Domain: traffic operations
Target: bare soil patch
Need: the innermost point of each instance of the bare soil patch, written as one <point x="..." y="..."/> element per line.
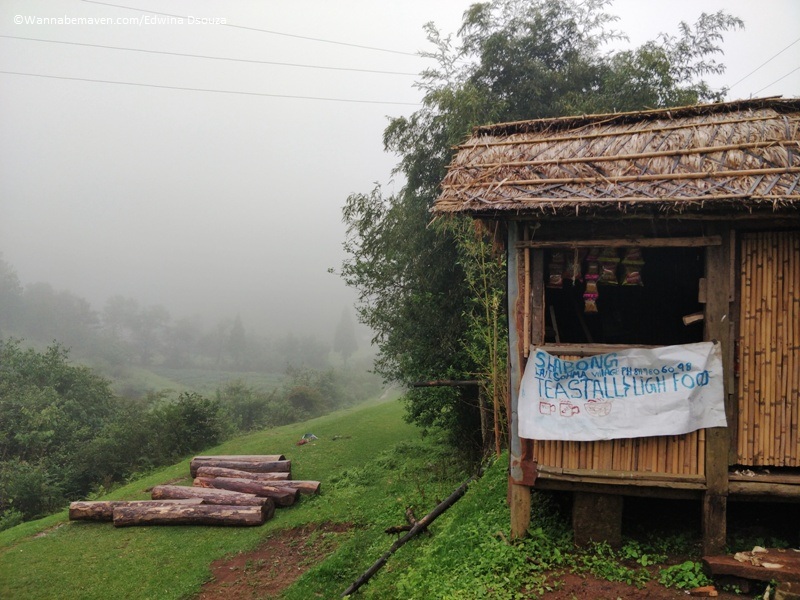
<point x="275" y="565"/>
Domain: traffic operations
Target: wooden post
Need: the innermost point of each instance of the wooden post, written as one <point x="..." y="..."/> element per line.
<point x="597" y="518"/>
<point x="717" y="327"/>
<point x="519" y="494"/>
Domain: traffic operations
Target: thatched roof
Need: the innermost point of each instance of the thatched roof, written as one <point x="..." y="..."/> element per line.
<point x="730" y="156"/>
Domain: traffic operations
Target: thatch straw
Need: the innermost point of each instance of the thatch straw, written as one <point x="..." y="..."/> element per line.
<point x="731" y="156"/>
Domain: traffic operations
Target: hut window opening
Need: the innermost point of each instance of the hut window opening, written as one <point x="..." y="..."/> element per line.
<point x="623" y="296"/>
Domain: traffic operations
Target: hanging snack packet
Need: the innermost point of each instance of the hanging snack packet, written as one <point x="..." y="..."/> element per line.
<point x="632" y="264"/>
<point x="609" y="260"/>
<point x="590" y="294"/>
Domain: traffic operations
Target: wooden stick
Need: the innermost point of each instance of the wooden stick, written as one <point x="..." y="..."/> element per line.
<point x="701" y="453"/>
<point x="685" y="151"/>
<point x="795" y="329"/>
<point x="598" y="133"/>
<point x="526" y="309"/>
<point x="418" y="527"/>
<point x="611" y="179"/>
<point x="743" y="350"/>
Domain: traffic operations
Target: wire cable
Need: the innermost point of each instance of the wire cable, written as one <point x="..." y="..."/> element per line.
<point x="193" y="89"/>
<point x="208" y="57"/>
<point x="764" y="63"/>
<point x="777" y="80"/>
<point x="291" y="35"/>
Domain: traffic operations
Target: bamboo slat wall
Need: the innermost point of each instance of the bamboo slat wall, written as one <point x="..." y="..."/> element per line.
<point x="673" y="454"/>
<point x="769" y="350"/>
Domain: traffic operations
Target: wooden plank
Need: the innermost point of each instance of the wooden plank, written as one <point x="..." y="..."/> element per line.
<point x="727" y="565"/>
<point x="621" y="475"/>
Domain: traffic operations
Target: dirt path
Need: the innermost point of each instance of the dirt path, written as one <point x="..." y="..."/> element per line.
<point x="275" y="565"/>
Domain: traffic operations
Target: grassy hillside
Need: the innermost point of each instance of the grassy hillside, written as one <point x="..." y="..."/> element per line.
<point x="55" y="558"/>
<point x="372" y="466"/>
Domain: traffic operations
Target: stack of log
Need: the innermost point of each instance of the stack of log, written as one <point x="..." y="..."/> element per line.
<point x="233" y="490"/>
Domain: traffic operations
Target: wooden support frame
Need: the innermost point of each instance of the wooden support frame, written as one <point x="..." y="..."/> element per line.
<point x="718" y="327"/>
<point x="639" y="242"/>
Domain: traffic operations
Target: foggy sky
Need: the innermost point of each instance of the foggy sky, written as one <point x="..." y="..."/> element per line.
<point x="220" y="204"/>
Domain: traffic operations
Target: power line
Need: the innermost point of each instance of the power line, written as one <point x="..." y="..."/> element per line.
<point x="193" y="89"/>
<point x="764" y="63"/>
<point x="777" y="80"/>
<point x="291" y="35"/>
<point x="208" y="57"/>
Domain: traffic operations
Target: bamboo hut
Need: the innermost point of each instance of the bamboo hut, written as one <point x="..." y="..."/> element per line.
<point x="706" y="198"/>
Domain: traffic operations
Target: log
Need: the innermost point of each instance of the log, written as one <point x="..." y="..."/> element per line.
<point x="418" y="527"/>
<point x="273" y="479"/>
<point x="243" y="457"/>
<point x="302" y="485"/>
<point x="177" y="514"/>
<point x="211" y="496"/>
<point x="251" y="466"/>
<point x="102" y="510"/>
<point x="223" y="472"/>
<point x="279" y="495"/>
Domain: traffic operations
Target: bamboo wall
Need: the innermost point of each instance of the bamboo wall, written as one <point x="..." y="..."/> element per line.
<point x="673" y="454"/>
<point x="769" y="350"/>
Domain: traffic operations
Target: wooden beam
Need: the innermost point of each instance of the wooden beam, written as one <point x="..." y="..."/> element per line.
<point x="623" y="178"/>
<point x="588" y="349"/>
<point x="676" y="242"/>
<point x="717" y="327"/>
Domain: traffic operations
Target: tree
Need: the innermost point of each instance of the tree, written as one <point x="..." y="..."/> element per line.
<point x="237" y="343"/>
<point x="515" y="60"/>
<point x="344" y="339"/>
<point x="10" y="297"/>
<point x="49" y="410"/>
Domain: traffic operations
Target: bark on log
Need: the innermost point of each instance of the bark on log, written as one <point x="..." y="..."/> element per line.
<point x="301" y="485"/>
<point x="272" y="479"/>
<point x="418" y="527"/>
<point x="102" y="510"/>
<point x="263" y="466"/>
<point x="243" y="457"/>
<point x="177" y="514"/>
<point x="212" y="496"/>
<point x="280" y="496"/>
<point x="204" y="471"/>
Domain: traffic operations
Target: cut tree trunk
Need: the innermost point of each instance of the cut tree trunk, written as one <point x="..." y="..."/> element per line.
<point x="280" y="496"/>
<point x="302" y="486"/>
<point x="177" y="514"/>
<point x="243" y="457"/>
<point x="102" y="510"/>
<point x="204" y="471"/>
<point x="211" y="496"/>
<point x="273" y="479"/>
<point x="263" y="466"/>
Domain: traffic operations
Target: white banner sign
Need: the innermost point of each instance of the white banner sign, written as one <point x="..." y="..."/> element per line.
<point x="631" y="393"/>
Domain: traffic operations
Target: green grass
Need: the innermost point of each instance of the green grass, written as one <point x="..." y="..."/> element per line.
<point x="372" y="466"/>
<point x="55" y="558"/>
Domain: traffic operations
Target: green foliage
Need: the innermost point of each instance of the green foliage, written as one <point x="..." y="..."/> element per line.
<point x="636" y="551"/>
<point x="603" y="562"/>
<point x="49" y="410"/>
<point x="344" y="338"/>
<point x="684" y="576"/>
<point x="64" y="435"/>
<point x="426" y="289"/>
